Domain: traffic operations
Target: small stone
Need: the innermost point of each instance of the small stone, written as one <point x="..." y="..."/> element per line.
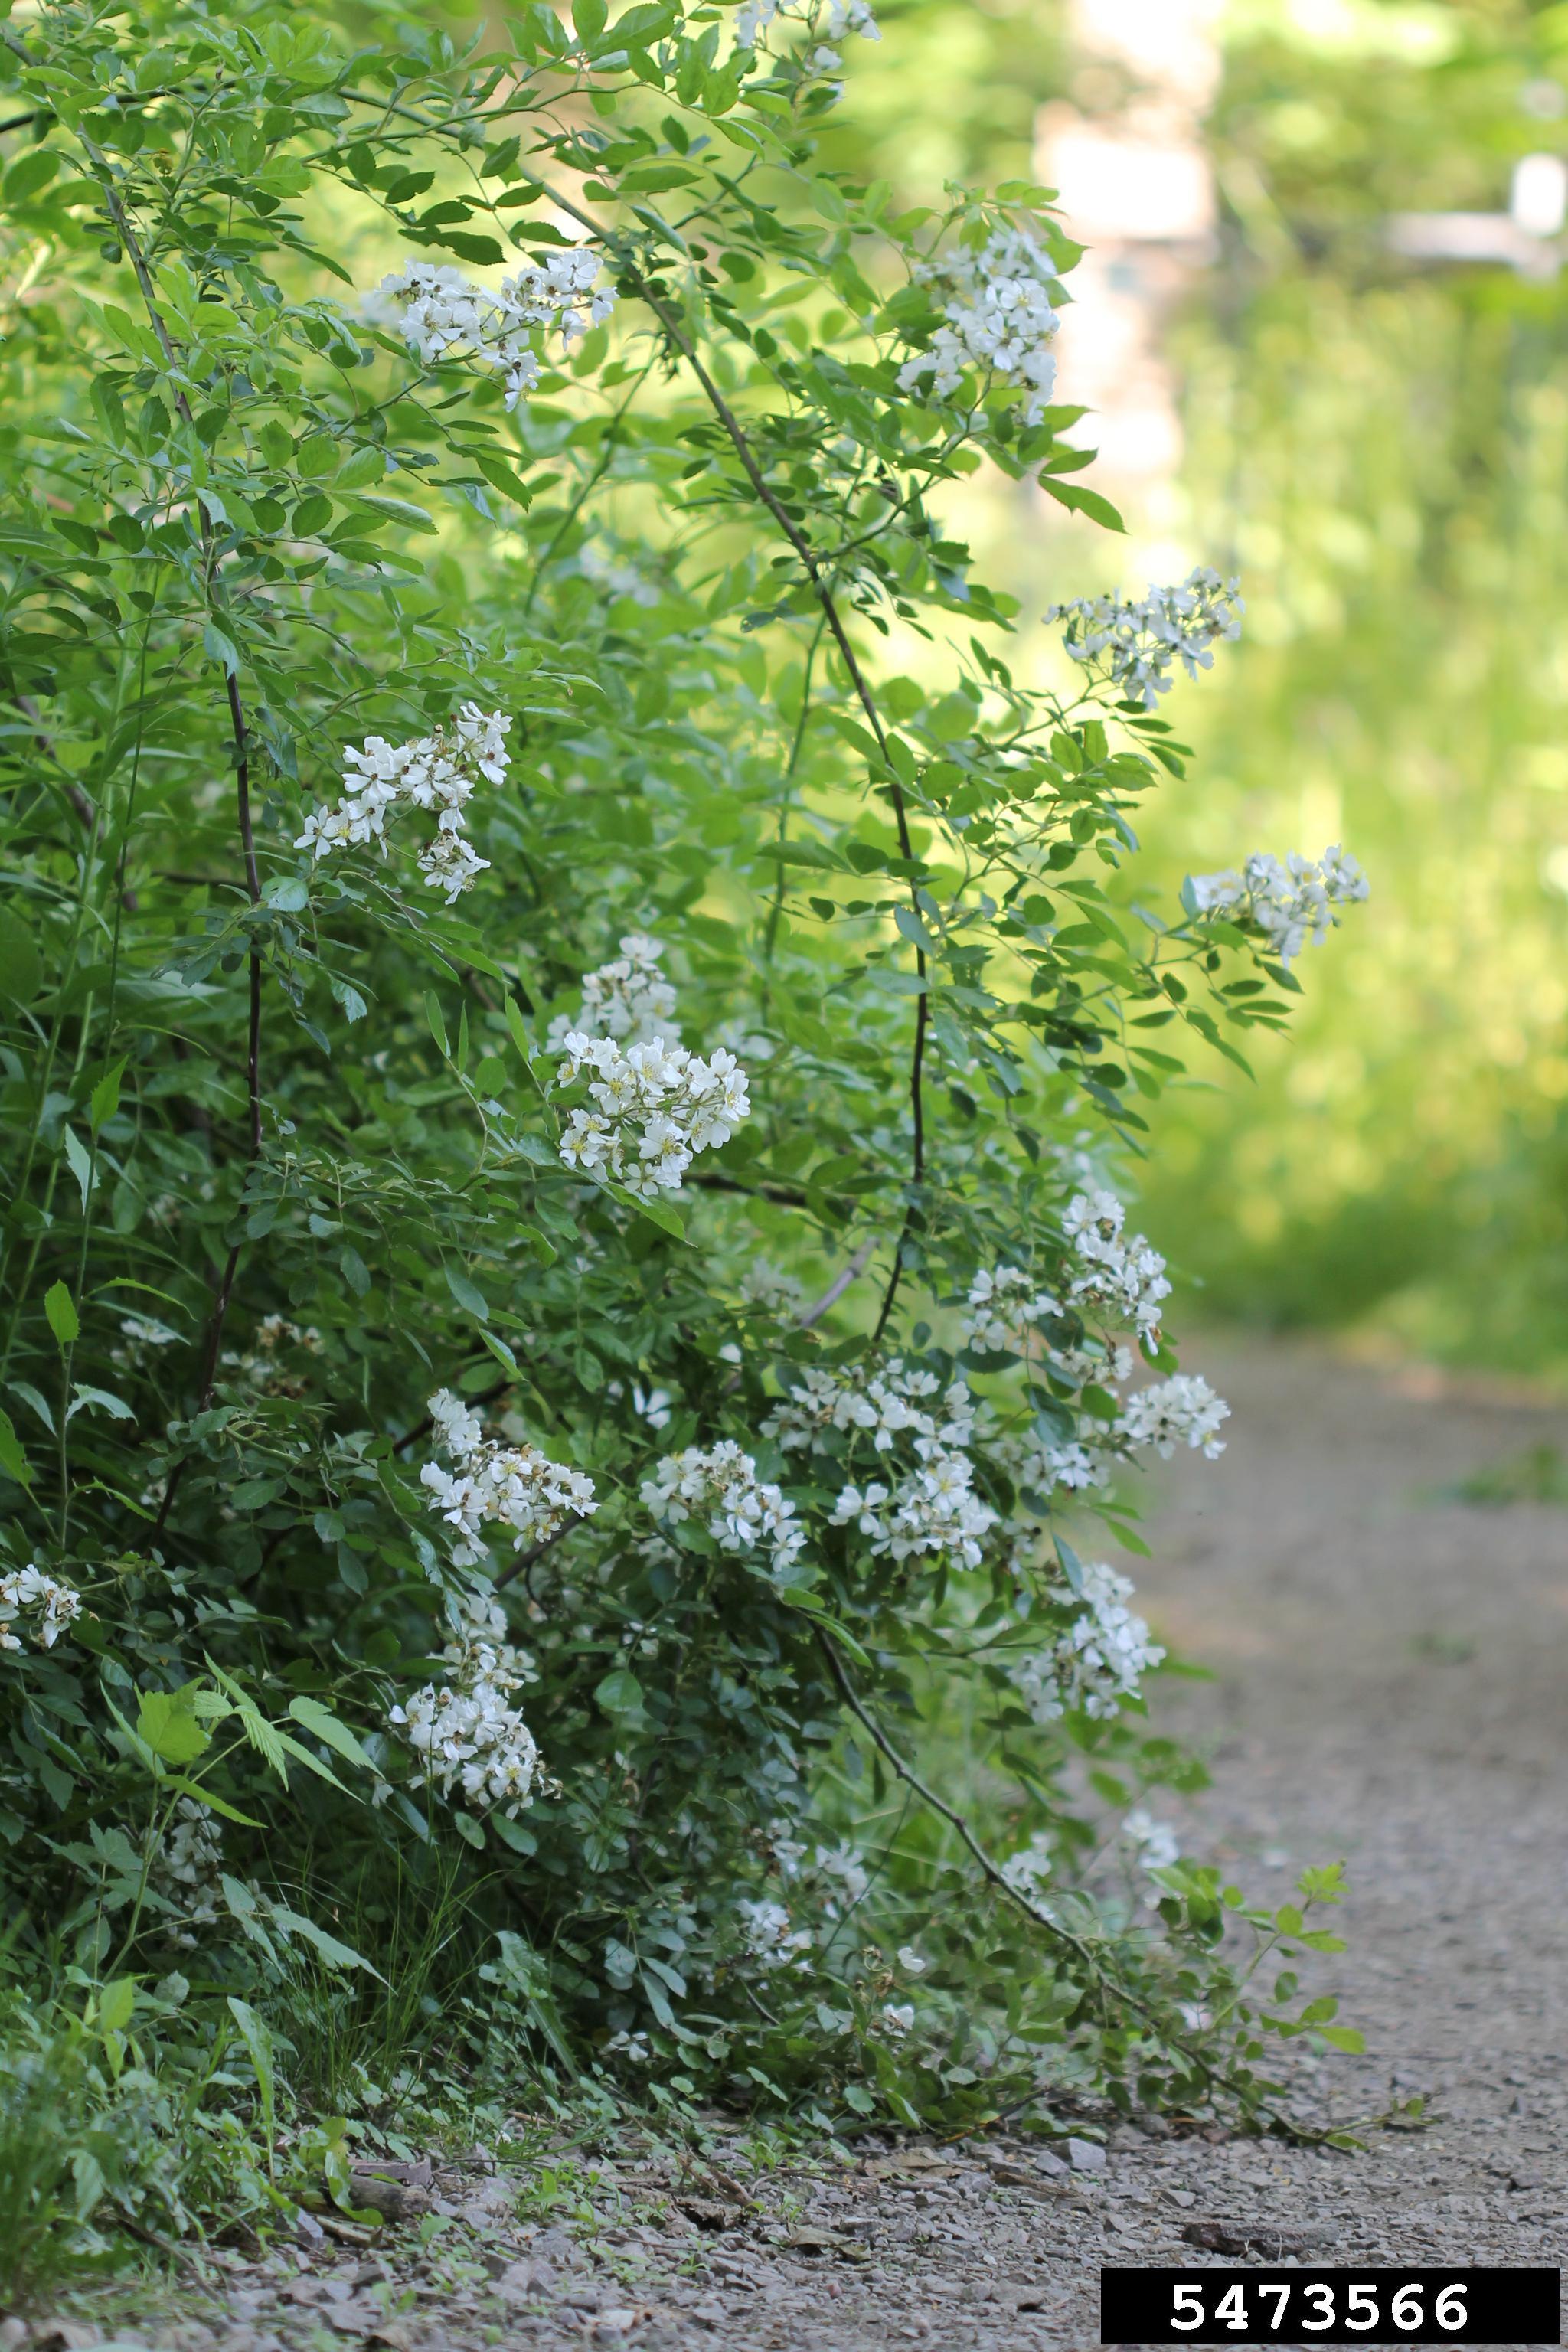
<point x="1086" y="2156"/>
<point x="708" y="2213"/>
<point x="521" y="2282"/>
<point x="555" y="2246"/>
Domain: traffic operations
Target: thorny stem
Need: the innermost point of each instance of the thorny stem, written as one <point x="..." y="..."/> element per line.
<point x="1105" y="1987"/>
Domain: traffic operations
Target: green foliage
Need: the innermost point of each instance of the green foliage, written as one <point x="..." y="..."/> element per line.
<point x="296" y="1151"/>
<point x="1386" y="442"/>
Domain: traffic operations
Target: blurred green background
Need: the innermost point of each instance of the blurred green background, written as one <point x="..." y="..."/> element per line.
<point x="1379" y="446"/>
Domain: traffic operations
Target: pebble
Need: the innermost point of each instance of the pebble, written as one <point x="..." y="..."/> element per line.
<point x="1086" y="2156"/>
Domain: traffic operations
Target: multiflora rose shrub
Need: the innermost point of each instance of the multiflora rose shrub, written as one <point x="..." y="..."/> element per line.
<point x="567" y="1315"/>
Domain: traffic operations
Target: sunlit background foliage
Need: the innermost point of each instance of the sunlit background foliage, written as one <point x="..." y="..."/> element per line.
<point x="1379" y="446"/>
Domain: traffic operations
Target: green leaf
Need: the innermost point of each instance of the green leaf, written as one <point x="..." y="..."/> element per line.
<point x="257" y="2044"/>
<point x="1081" y="501"/>
<point x="21" y="966"/>
<point x="30" y="174"/>
<point x="293" y="1924"/>
<point x="104" y="1100"/>
<point x="502" y="477"/>
<point x="468" y="1295"/>
<point x="662" y="1214"/>
<point x="803" y="853"/>
<point x="498" y="1349"/>
<point x="117" y="2005"/>
<point x="221" y="648"/>
<point x="620" y="1693"/>
<point x="166" y="1722"/>
<point x="60" y="1309"/>
<point x="80" y="1160"/>
<point x="320" y="1719"/>
<point x="13" y="1459"/>
<point x="203" y="1795"/>
<point x="92" y="1399"/>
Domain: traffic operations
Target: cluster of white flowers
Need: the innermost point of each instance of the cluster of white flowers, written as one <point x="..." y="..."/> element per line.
<point x="1154" y="1842"/>
<point x="933" y="1512"/>
<point x="187" y="1869"/>
<point x="480" y="1648"/>
<point x="438" y="772"/>
<point x="843" y="16"/>
<point x="49" y="1603"/>
<point x="786" y="1853"/>
<point x="762" y="1283"/>
<point x="629" y="999"/>
<point x="653" y="1107"/>
<point x="1291" y="902"/>
<point x="656" y="1406"/>
<point x="894" y="2019"/>
<point x="1137" y="644"/>
<point x="931" y="1508"/>
<point x="843" y="1865"/>
<point x="719" y="1486"/>
<point x="465" y="1732"/>
<point x="1118" y="1275"/>
<point x="911" y="1961"/>
<point x="1038" y="1465"/>
<point x="1000" y="319"/>
<point x="1180" y="1410"/>
<point x="1025" y="1869"/>
<point x="769" y="1936"/>
<point x="514" y="1486"/>
<point x="635" y="2048"/>
<point x="889" y="1405"/>
<point x="1091" y="1365"/>
<point x="441" y="313"/>
<point x="1001" y="1305"/>
<point x="617" y="577"/>
<point x="1098" y="1661"/>
<point x="142" y="1336"/>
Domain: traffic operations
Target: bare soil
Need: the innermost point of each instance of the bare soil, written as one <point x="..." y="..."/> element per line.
<point x="1389" y="1690"/>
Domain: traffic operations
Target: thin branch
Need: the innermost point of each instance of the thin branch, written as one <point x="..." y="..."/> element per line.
<point x="669" y="321"/>
<point x="839" y="1286"/>
<point x="1215" y="2078"/>
<point x="587" y="489"/>
<point x="786" y="1196"/>
<point x="802" y="546"/>
<point x="528" y="1560"/>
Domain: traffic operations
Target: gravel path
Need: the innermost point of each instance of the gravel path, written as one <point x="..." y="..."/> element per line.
<point x="1389" y="1690"/>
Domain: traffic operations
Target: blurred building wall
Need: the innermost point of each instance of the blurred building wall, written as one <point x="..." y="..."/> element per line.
<point x="1126" y="153"/>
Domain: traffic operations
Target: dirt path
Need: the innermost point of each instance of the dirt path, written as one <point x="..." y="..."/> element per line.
<point x="1390" y="1688"/>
